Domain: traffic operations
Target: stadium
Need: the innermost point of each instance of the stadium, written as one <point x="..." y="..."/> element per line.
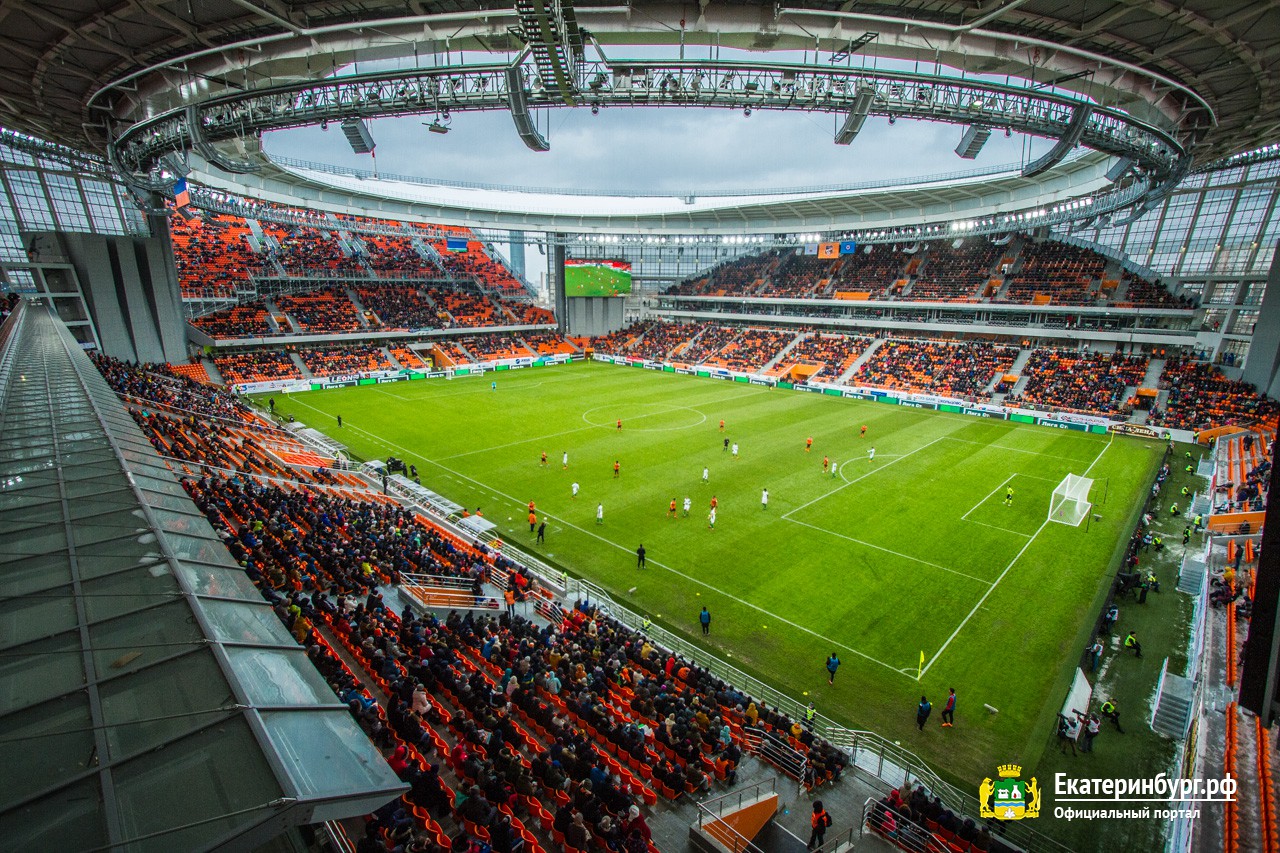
<point x="457" y="427"/>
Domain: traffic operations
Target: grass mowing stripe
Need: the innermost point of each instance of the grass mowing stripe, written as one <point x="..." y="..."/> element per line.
<point x="1012" y="562"/>
<point x="965" y="517"/>
<point x="624" y="548"/>
<point x="848" y="483"/>
<point x="896" y="553"/>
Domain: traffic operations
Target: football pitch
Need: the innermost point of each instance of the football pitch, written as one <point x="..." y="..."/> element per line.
<point x="913" y="552"/>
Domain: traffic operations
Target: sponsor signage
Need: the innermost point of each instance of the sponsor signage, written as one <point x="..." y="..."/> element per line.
<point x="1135" y="429"/>
<point x="1058" y="424"/>
<point x="985" y="413"/>
<point x="769" y="382"/>
<point x="811" y="388"/>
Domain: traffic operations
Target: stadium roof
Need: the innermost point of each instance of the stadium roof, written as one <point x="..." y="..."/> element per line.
<point x="150" y="698"/>
<point x="1209" y="66"/>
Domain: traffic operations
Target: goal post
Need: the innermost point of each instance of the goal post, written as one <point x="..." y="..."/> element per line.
<point x="1070" y="502"/>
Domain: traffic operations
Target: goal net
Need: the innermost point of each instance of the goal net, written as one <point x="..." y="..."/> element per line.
<point x="1070" y="502"/>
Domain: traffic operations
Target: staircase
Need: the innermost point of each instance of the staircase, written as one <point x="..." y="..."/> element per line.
<point x="301" y="365"/>
<point x="777" y="359"/>
<point x="1155" y="367"/>
<point x="1191" y="575"/>
<point x="355" y="300"/>
<point x="859" y="361"/>
<point x="212" y="369"/>
<point x="1172" y="716"/>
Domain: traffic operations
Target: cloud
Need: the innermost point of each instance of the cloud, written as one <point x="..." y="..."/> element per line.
<point x="678" y="151"/>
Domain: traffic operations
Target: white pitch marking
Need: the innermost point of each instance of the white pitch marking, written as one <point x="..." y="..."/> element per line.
<point x="651" y="562"/>
<point x="1012" y="562"/>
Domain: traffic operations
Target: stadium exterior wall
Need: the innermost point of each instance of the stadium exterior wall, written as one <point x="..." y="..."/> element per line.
<point x="594" y="316"/>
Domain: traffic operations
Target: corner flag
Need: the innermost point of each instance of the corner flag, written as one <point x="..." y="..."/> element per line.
<point x="920" y="670"/>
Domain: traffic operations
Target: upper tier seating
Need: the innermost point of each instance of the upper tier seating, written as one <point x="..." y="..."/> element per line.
<point x="242" y="321"/>
<point x="469" y="309"/>
<point x="263" y="366"/>
<point x="955" y="274"/>
<point x="396" y="254"/>
<point x="304" y="250"/>
<point x="871" y="269"/>
<point x="400" y="307"/>
<point x="1061" y="272"/>
<point x="325" y="310"/>
<point x="212" y="255"/>
<point x="345" y="361"/>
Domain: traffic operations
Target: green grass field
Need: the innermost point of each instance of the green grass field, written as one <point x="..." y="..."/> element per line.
<point x="911" y="552"/>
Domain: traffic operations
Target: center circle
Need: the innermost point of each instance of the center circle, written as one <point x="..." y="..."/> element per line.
<point x="644" y="417"/>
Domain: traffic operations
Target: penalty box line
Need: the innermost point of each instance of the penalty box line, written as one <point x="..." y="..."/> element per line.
<point x="662" y="566"/>
<point x="848" y="483"/>
<point x="1007" y="568"/>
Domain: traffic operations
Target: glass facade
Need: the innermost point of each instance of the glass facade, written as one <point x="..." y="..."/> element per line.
<point x="1224" y="222"/>
<point x="50" y="194"/>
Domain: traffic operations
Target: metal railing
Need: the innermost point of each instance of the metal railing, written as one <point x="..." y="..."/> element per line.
<point x="712" y="811"/>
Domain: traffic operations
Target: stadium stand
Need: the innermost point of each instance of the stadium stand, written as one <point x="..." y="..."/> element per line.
<point x="621" y="341"/>
<point x="400" y="307"/>
<point x="326" y="310"/>
<point x="467" y="309"/>
<point x="519" y="719"/>
<point x="547" y="343"/>
<point x="1086" y="382"/>
<point x="797" y="276"/>
<point x="708" y="341"/>
<point x="740" y="277"/>
<point x="242" y="321"/>
<point x="408" y="358"/>
<point x="1200" y="397"/>
<point x="751" y="350"/>
<point x="955" y="274"/>
<point x="158" y="384"/>
<point x="874" y="270"/>
<point x="212" y="255"/>
<point x="936" y="367"/>
<point x="490" y="347"/>
<point x="830" y="354"/>
<point x="1054" y="272"/>
<point x="262" y="366"/>
<point x="1044" y="271"/>
<point x="345" y="361"/>
<point x="388" y="254"/>
<point x="301" y="250"/>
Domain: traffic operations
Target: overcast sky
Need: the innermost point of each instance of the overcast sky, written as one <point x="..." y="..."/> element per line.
<point x="676" y="150"/>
